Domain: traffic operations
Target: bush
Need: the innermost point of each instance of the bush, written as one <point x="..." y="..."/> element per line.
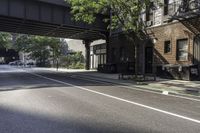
<point x="72" y="61"/>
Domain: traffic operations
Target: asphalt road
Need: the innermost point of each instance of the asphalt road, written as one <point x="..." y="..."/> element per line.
<point x="47" y="102"/>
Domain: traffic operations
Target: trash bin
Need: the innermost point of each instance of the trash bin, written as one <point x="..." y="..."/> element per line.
<point x="194" y="72"/>
<point x="180" y="72"/>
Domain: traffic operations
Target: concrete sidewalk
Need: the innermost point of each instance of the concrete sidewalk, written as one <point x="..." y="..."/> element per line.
<point x="165" y="86"/>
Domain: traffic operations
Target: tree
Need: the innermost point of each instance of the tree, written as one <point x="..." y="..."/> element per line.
<point x="125" y="15"/>
<point x="40" y="48"/>
<point x="5" y="40"/>
<point x="55" y="45"/>
<point x="74" y="60"/>
<point x="23" y="43"/>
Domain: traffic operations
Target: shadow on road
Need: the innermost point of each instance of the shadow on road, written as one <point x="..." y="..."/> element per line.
<point x="16" y="121"/>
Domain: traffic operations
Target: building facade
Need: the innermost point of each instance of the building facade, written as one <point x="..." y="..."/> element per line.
<point x="175" y="28"/>
<point x="98" y="50"/>
<point x="98" y="54"/>
<point x="173" y="40"/>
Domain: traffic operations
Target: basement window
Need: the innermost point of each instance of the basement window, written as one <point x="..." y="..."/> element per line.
<point x="167" y="47"/>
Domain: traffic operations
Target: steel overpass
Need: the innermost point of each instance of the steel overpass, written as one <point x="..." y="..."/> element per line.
<point x="48" y="18"/>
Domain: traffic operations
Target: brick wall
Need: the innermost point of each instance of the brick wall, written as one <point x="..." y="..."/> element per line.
<point x="168" y="32"/>
<point x="172" y="32"/>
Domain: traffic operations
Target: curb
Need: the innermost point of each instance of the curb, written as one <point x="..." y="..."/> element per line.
<point x="95" y="78"/>
<point x="137" y="87"/>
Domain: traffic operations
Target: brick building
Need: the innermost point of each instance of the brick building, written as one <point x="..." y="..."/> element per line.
<point x="174" y="44"/>
<point x="173" y="30"/>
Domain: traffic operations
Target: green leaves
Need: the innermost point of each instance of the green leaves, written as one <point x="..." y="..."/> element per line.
<point x="40" y="48"/>
<point x="5" y="40"/>
<point x="86" y="10"/>
<point x="125" y="13"/>
<point x="73" y="61"/>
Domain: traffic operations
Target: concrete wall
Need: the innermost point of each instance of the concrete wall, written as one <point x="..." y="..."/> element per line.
<point x="76" y="46"/>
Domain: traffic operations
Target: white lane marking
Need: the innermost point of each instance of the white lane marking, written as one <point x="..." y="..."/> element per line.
<point x="120" y="99"/>
<point x="165" y="93"/>
<point x="141" y="89"/>
<point x="144" y="90"/>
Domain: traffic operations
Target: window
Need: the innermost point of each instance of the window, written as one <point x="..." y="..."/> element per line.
<point x="182" y="50"/>
<point x="167" y="47"/>
<point x="91" y="48"/>
<point x="99" y="59"/>
<point x="166" y="3"/>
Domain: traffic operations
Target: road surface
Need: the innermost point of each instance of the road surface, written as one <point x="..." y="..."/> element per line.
<point x="49" y="102"/>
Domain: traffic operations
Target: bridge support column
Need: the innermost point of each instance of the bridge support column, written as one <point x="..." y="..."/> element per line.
<point x="87" y="54"/>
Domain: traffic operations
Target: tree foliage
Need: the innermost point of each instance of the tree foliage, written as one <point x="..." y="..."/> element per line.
<point x="73" y="61"/>
<point x="40" y="48"/>
<point x="122" y="14"/>
<point x="5" y="40"/>
<point x="22" y="43"/>
<point x="126" y="14"/>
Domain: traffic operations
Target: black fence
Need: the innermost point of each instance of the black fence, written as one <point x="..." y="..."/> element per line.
<point x="124" y="67"/>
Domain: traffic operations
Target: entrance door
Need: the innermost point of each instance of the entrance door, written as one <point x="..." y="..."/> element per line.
<point x="148" y="59"/>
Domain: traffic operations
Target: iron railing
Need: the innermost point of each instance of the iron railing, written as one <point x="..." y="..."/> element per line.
<point x="182" y="7"/>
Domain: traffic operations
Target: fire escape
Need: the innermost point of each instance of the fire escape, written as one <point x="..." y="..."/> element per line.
<point x="188" y="13"/>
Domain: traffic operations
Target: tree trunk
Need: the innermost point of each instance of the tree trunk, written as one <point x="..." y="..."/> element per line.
<point x="54" y="65"/>
<point x="57" y="64"/>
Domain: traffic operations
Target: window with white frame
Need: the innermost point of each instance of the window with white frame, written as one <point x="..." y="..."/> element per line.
<point x="182" y="50"/>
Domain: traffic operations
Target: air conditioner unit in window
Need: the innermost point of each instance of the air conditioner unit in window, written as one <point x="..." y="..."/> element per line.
<point x="149" y="23"/>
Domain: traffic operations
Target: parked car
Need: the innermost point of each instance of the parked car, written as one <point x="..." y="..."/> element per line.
<point x="12" y="63"/>
<point x="30" y="64"/>
<point x="16" y="63"/>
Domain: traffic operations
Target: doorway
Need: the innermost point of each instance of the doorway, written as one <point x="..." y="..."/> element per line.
<point x="148" y="59"/>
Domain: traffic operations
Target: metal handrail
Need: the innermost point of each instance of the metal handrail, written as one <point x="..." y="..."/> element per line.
<point x="174" y="7"/>
<point x="185" y="6"/>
